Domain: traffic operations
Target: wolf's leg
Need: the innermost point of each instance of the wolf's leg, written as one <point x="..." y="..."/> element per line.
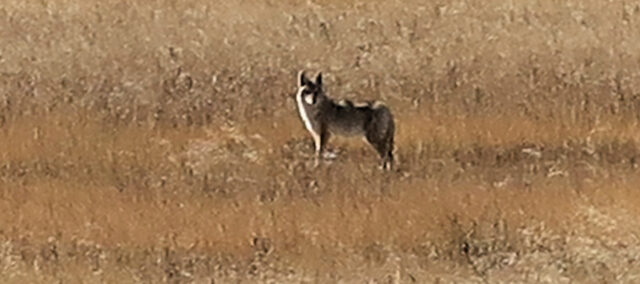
<point x="377" y="144"/>
<point x="317" y="140"/>
<point x="321" y="143"/>
<point x="388" y="160"/>
<point x="385" y="155"/>
<point x="384" y="147"/>
<point x="324" y="138"/>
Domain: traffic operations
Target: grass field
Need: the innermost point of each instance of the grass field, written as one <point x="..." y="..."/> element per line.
<point x="158" y="142"/>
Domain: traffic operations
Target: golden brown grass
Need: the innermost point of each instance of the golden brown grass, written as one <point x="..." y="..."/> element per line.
<point x="159" y="142"/>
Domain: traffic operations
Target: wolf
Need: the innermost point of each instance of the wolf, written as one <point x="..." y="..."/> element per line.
<point x="323" y="117"/>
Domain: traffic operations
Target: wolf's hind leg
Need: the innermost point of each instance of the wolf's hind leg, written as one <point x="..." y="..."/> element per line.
<point x="384" y="147"/>
<point x="386" y="154"/>
<point x="388" y="159"/>
<point x="378" y="145"/>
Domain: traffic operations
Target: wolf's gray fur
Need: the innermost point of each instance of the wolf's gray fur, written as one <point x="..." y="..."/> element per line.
<point x="323" y="117"/>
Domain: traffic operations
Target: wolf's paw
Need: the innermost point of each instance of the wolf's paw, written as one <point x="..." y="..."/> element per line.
<point x="329" y="155"/>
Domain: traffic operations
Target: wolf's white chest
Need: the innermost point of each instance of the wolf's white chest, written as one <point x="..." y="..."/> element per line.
<point x="303" y="112"/>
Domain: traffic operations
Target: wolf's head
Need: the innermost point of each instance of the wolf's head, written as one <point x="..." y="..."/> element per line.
<point x="311" y="92"/>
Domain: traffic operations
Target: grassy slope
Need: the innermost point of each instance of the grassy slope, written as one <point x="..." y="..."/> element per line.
<point x="159" y="141"/>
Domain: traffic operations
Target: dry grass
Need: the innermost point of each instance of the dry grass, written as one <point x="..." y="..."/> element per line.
<point x="159" y="142"/>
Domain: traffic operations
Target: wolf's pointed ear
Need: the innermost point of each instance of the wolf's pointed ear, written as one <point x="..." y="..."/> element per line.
<point x="319" y="79"/>
<point x="302" y="79"/>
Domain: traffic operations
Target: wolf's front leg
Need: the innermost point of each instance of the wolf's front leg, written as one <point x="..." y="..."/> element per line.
<point x="317" y="140"/>
<point x="321" y="143"/>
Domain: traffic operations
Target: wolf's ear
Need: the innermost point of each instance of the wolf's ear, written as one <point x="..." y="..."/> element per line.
<point x="319" y="79"/>
<point x="302" y="79"/>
